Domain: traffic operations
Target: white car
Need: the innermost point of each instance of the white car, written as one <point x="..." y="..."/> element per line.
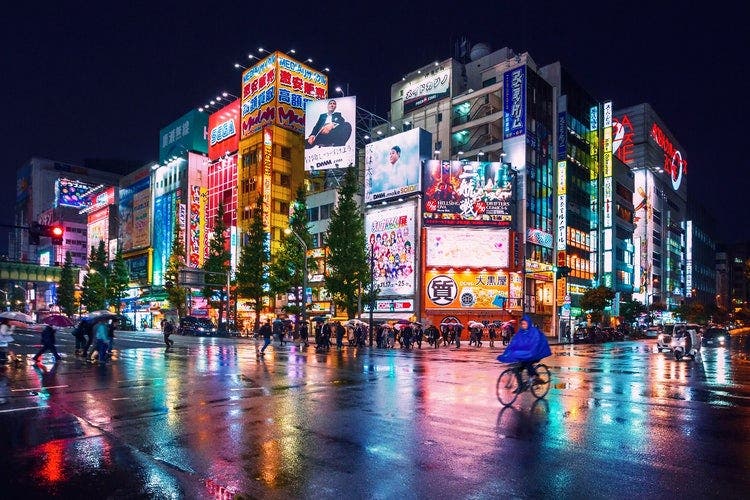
<point x="652" y="332"/>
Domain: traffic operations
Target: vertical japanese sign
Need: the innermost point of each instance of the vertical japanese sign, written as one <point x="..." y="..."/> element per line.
<point x="562" y="205"/>
<point x="267" y="173"/>
<point x="608" y="192"/>
<point x="514" y="102"/>
<point x="195" y="227"/>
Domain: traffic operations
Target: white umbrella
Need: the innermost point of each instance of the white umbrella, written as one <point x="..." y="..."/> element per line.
<point x="476" y="324"/>
<point x="17" y="316"/>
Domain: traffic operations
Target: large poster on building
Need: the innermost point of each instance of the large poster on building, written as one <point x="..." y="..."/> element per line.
<point x="391" y="235"/>
<point x="196" y="226"/>
<point x="468" y="289"/>
<point x="224" y="131"/>
<point x="467" y="248"/>
<point x="467" y="193"/>
<point x="165" y="214"/>
<point x="134" y="210"/>
<point x="393" y="165"/>
<point x="97" y="229"/>
<point x="329" y="133"/>
<point x="644" y="198"/>
<point x="258" y="96"/>
<point x="426" y="89"/>
<point x="71" y="193"/>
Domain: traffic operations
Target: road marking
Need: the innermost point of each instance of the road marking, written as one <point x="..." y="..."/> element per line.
<point x="22" y="409"/>
<point x="39" y="388"/>
<point x="118" y="399"/>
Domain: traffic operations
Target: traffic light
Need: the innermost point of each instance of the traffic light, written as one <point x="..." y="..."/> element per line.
<point x="56" y="232"/>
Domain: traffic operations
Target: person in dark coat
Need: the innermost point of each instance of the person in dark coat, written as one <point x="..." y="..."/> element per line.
<point x="340" y="331"/>
<point x="492" y="333"/>
<point x="527" y="347"/>
<point x="48" y="344"/>
<point x="458" y="328"/>
<point x="88" y="331"/>
<point x="303" y="334"/>
<point x="418" y="333"/>
<point x="266" y="331"/>
<point x="278" y="330"/>
<point x="79" y="333"/>
<point x="167" y="329"/>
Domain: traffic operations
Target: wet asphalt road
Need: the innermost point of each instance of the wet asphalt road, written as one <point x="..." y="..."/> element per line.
<point x="209" y="419"/>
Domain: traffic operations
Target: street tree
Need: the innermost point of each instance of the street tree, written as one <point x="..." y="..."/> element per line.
<point x="252" y="266"/>
<point x="595" y="300"/>
<point x="288" y="262"/>
<point x="630" y="309"/>
<point x="66" y="290"/>
<point x="176" y="293"/>
<point x="119" y="280"/>
<point x="217" y="263"/>
<point x="347" y="264"/>
<point x="93" y="288"/>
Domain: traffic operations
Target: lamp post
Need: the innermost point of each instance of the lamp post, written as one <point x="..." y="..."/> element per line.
<point x="289" y="230"/>
<point x="7" y="302"/>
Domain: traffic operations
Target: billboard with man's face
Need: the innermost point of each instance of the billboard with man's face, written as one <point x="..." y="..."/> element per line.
<point x="393" y="165"/>
<point x="467" y="193"/>
<point x="329" y="133"/>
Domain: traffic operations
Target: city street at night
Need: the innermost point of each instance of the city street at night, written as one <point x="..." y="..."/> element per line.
<point x="209" y="418"/>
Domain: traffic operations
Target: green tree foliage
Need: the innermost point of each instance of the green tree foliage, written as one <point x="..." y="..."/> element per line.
<point x="630" y="309"/>
<point x="119" y="280"/>
<point x="694" y="312"/>
<point x="252" y="266"/>
<point x="287" y="265"/>
<point x="175" y="293"/>
<point x="217" y="263"/>
<point x="66" y="289"/>
<point x="93" y="289"/>
<point x="595" y="300"/>
<point x="348" y="266"/>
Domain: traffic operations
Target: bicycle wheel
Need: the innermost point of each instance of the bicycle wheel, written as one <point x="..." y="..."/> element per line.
<point x="540" y="387"/>
<point x="507" y="387"/>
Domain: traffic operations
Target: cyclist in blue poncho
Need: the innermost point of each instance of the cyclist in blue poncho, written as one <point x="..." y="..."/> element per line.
<point x="527" y="347"/>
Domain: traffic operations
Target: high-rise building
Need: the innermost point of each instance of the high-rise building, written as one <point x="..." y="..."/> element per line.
<point x="700" y="255"/>
<point x="642" y="141"/>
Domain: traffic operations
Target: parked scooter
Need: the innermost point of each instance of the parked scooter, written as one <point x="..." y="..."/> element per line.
<point x="686" y="341"/>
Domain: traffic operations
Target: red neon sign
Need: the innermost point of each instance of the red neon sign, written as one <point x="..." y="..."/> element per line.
<point x="622" y="139"/>
<point x="674" y="164"/>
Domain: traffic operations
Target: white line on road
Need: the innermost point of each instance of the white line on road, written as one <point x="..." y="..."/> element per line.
<point x="39" y="388"/>
<point x="22" y="409"/>
<point x="118" y="399"/>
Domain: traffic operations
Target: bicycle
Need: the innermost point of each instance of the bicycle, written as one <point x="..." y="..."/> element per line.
<point x="514" y="380"/>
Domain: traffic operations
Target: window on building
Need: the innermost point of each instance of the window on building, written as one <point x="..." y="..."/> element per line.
<point x="325" y="211"/>
<point x="285" y="153"/>
<point x="282" y="207"/>
<point x="315" y="240"/>
<point x="285" y="180"/>
<point x="313" y="214"/>
<point x="245" y="186"/>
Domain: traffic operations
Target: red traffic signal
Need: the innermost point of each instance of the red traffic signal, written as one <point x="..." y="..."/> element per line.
<point x="57" y="231"/>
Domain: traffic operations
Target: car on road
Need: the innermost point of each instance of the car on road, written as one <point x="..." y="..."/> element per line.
<point x="652" y="332"/>
<point x="191" y="325"/>
<point x="716" y="337"/>
<point x="227" y="330"/>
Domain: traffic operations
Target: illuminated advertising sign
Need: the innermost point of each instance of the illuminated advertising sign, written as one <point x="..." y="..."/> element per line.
<point x="562" y="205"/>
<point x="467" y="289"/>
<point x="196" y="226"/>
<point x="607" y="202"/>
<point x="464" y="247"/>
<point x="391" y="235"/>
<point x="393" y="165"/>
<point x="187" y="133"/>
<point x="329" y="133"/>
<point x="165" y="213"/>
<point x="514" y="102"/>
<point x="622" y="139"/>
<point x="276" y="91"/>
<point x="396" y="305"/>
<point x="100" y="199"/>
<point x="674" y="164"/>
<point x="224" y="131"/>
<point x="258" y="96"/>
<point x="539" y="237"/>
<point x="643" y="199"/>
<point x="70" y="193"/>
<point x="689" y="259"/>
<point x="138" y="269"/>
<point x="298" y="85"/>
<point x="467" y="193"/>
<point x="267" y="161"/>
<point x="427" y="89"/>
<point x="134" y="208"/>
<point x="97" y="229"/>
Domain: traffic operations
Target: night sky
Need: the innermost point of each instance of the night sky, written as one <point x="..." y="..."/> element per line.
<point x="83" y="83"/>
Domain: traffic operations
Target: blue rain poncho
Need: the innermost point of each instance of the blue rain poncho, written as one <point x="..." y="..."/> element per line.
<point x="527" y="345"/>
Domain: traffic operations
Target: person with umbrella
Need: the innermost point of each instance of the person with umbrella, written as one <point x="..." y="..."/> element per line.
<point x="48" y="344"/>
<point x="6" y="337"/>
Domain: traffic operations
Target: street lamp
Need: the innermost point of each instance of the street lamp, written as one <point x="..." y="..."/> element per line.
<point x="7" y="302"/>
<point x="287" y="231"/>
